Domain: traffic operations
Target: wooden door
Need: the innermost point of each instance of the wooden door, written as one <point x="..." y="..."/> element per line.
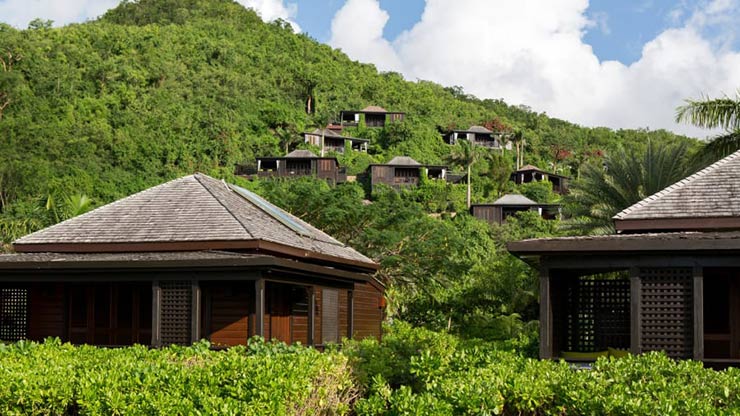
<point x="278" y="309"/>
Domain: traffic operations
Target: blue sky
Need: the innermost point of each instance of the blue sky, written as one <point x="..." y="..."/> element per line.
<point x="614" y="63"/>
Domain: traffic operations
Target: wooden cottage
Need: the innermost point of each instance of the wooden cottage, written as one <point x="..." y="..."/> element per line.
<point x="403" y="171"/>
<point x="331" y="141"/>
<point x="511" y="204"/>
<point x="477" y="135"/>
<point x="669" y="280"/>
<point x="298" y="163"/>
<point x="529" y="173"/>
<point x="371" y="116"/>
<point x="189" y="259"/>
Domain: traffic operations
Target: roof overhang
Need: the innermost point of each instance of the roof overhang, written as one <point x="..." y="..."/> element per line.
<point x="192" y="261"/>
<point x="252" y="246"/>
<point x="628" y="243"/>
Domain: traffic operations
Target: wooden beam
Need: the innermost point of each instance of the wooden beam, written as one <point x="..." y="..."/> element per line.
<point x="259" y="307"/>
<point x="156" y="314"/>
<point x="546" y="350"/>
<point x="635" y="317"/>
<point x="195" y="312"/>
<point x="311" y="315"/>
<point x="351" y="314"/>
<point x="698" y="313"/>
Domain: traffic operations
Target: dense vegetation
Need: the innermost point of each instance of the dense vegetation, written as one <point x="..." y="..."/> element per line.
<point x="413" y="371"/>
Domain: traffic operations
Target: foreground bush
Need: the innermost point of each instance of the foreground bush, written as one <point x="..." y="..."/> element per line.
<point x="413" y="371"/>
<point x="264" y="378"/>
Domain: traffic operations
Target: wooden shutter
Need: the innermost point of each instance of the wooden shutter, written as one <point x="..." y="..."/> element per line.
<point x="329" y="315"/>
<point x="13" y="314"/>
<point x="666" y="311"/>
<point x="176" y="310"/>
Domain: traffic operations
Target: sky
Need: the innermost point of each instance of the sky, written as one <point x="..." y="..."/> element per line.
<point x="619" y="64"/>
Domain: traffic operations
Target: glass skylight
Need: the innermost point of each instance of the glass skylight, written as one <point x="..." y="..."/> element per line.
<point x="272" y="210"/>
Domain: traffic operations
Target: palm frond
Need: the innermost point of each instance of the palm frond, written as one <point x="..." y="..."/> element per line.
<point x="721" y="113"/>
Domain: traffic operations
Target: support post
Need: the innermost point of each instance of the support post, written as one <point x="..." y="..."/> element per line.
<point x="698" y="313"/>
<point x="259" y="307"/>
<point x="546" y="350"/>
<point x="195" y="312"/>
<point x="351" y="313"/>
<point x="156" y="314"/>
<point x="311" y="315"/>
<point x="635" y="318"/>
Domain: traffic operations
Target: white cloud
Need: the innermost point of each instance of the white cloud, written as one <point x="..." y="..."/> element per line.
<point x="19" y="13"/>
<point x="533" y="53"/>
<point x="357" y="28"/>
<point x="271" y="10"/>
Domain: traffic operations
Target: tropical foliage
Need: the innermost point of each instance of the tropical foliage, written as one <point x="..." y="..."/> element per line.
<point x="720" y="113"/>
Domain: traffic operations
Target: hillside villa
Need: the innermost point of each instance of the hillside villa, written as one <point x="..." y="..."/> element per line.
<point x="511" y="204"/>
<point x="529" y="173"/>
<point x="371" y="116"/>
<point x="403" y="171"/>
<point x="298" y="163"/>
<point x="329" y="140"/>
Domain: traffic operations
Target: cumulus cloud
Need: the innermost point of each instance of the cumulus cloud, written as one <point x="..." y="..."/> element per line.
<point x="19" y="13"/>
<point x="271" y="10"/>
<point x="533" y="53"/>
<point x="357" y="28"/>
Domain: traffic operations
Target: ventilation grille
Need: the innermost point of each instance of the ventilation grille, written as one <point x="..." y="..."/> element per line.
<point x="176" y="312"/>
<point x="13" y="314"/>
<point x="667" y="311"/>
<point x="598" y="314"/>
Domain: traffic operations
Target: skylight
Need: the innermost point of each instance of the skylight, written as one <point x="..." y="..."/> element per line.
<point x="272" y="211"/>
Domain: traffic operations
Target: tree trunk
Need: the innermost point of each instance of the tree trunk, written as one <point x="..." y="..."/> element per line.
<point x="468" y="199"/>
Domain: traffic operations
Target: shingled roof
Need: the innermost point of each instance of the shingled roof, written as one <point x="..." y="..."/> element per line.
<point x="302" y="154"/>
<point x="479" y="129"/>
<point x="194" y="212"/>
<point x="713" y="192"/>
<point x="374" y="109"/>
<point x="403" y="160"/>
<point x="514" y="199"/>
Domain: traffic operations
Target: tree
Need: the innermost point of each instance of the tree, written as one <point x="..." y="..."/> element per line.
<point x="625" y="178"/>
<point x="722" y="113"/>
<point x="465" y="155"/>
<point x="519" y="141"/>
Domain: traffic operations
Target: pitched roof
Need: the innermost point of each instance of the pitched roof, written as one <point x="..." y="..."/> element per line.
<point x="194" y="210"/>
<point x="479" y="129"/>
<point x="403" y="160"/>
<point x="710" y="193"/>
<point x="301" y="154"/>
<point x="529" y="167"/>
<point x="325" y="132"/>
<point x="374" y="109"/>
<point x="514" y="199"/>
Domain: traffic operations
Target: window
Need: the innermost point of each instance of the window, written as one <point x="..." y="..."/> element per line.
<point x="13" y="314"/>
<point x="329" y="315"/>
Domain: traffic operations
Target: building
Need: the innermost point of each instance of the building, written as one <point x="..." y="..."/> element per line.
<point x="189" y="259"/>
<point x="529" y="173"/>
<point x="477" y="135"/>
<point x="668" y="280"/>
<point x="371" y="116"/>
<point x="331" y="141"/>
<point x="403" y="171"/>
<point x="508" y="205"/>
<point x="298" y="163"/>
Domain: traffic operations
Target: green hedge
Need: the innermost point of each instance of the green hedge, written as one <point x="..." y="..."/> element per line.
<point x="413" y="371"/>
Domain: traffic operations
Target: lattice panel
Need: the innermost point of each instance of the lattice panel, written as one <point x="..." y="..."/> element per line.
<point x="667" y="311"/>
<point x="329" y="315"/>
<point x="597" y="314"/>
<point x="176" y="312"/>
<point x="13" y="314"/>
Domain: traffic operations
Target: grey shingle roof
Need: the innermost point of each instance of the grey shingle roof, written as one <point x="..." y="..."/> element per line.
<point x="325" y="132"/>
<point x="514" y="199"/>
<point x="301" y="154"/>
<point x="374" y="109"/>
<point x="403" y="160"/>
<point x="710" y="193"/>
<point x="195" y="208"/>
<point x="479" y="129"/>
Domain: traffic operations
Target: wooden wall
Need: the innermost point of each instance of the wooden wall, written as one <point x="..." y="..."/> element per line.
<point x="368" y="311"/>
<point x="46" y="317"/>
<point x="227" y="309"/>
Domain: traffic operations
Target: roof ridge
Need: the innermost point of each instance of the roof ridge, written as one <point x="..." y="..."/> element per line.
<point x="88" y="213"/>
<point x="244" y="227"/>
<point x="685" y="181"/>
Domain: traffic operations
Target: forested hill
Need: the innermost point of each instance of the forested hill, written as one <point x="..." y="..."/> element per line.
<point x="160" y="88"/>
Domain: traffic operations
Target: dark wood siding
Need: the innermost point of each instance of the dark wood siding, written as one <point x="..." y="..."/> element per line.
<point x="666" y="311"/>
<point x="490" y="214"/>
<point x="47" y="311"/>
<point x="227" y="313"/>
<point x="368" y="311"/>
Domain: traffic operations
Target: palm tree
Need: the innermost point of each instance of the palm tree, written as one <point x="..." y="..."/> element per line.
<point x="465" y="155"/>
<point x="518" y="139"/>
<point x="722" y="113"/>
<point x="623" y="179"/>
